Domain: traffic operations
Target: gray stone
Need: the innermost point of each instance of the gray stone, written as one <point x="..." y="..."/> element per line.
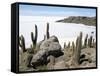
<point x="48" y="47"/>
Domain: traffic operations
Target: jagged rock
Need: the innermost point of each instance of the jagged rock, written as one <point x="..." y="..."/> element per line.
<point x="48" y="47"/>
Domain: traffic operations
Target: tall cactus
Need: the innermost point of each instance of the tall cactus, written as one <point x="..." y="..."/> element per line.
<point x="76" y="41"/>
<point x="47" y="31"/>
<point x="90" y="41"/>
<point x="64" y="45"/>
<point x="34" y="38"/>
<point x="91" y="38"/>
<point x="78" y="49"/>
<point x="22" y="43"/>
<point x="73" y="47"/>
<point x="93" y="43"/>
<point x="85" y="41"/>
<point x="68" y="46"/>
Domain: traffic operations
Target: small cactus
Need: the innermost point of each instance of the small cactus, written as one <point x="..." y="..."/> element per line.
<point x="47" y="31"/>
<point x="22" y="43"/>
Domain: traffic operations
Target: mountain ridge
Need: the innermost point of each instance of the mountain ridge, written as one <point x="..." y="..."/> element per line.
<point x="91" y="21"/>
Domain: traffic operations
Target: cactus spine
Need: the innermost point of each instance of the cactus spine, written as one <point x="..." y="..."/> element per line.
<point x="22" y="43"/>
<point x="47" y="31"/>
<point x="34" y="38"/>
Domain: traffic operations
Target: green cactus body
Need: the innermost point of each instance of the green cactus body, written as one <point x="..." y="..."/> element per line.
<point x="34" y="38"/>
<point x="47" y="31"/>
<point x="78" y="49"/>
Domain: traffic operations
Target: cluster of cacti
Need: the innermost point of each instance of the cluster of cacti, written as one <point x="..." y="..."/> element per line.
<point x="27" y="54"/>
<point x="76" y="49"/>
<point x="89" y="42"/>
<point x="22" y="43"/>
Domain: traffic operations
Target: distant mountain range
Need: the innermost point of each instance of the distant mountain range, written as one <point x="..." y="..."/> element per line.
<point x="91" y="21"/>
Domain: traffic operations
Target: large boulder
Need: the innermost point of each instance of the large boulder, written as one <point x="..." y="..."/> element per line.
<point x="48" y="47"/>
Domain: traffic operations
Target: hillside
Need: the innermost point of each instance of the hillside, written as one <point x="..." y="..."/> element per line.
<point x="91" y="21"/>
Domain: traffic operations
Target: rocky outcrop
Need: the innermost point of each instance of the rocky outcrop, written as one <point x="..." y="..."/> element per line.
<point x="49" y="47"/>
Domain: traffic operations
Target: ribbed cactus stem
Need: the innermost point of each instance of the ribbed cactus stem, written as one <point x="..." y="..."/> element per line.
<point x="32" y="37"/>
<point x="78" y="49"/>
<point x="47" y="31"/>
<point x="36" y="32"/>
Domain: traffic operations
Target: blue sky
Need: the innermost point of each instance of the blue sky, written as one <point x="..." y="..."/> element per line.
<point x="34" y="10"/>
